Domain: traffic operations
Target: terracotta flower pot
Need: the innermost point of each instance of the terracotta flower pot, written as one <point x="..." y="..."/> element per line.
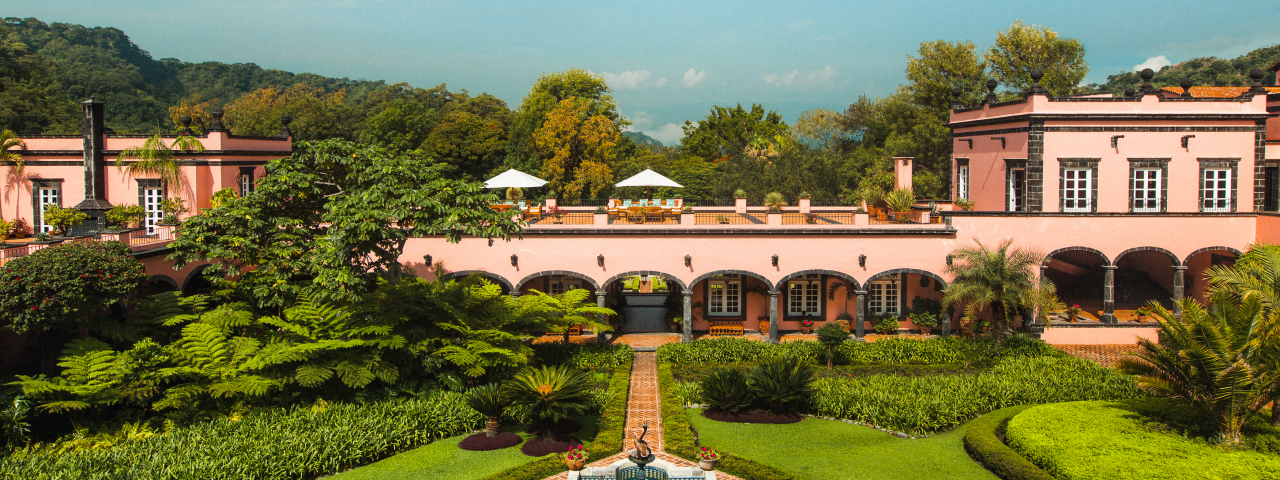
<point x="575" y="465"/>
<point x="926" y="330"/>
<point x="1071" y="319"/>
<point x="707" y="465"/>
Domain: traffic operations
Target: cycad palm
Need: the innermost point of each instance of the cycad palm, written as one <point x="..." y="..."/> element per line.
<point x="1214" y="358"/>
<point x="153" y="157"/>
<point x="998" y="278"/>
<point x="1255" y="275"/>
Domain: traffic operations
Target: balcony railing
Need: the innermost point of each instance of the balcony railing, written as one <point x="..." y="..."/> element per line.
<point x="137" y="240"/>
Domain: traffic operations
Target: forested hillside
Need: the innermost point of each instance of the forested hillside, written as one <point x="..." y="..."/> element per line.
<point x="79" y="62"/>
<point x="1204" y="71"/>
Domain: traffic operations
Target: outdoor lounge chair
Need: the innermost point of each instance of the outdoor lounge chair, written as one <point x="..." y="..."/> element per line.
<point x="653" y="214"/>
<point x="635" y="214"/>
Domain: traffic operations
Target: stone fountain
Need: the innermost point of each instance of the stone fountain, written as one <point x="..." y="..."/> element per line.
<point x="642" y="464"/>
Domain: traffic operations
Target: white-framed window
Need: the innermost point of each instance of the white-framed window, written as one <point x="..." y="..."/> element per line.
<point x="1077" y="189"/>
<point x="246" y="181"/>
<point x="724" y="297"/>
<point x="883" y="298"/>
<point x="151" y="198"/>
<point x="560" y="285"/>
<point x="48" y="195"/>
<point x="1018" y="190"/>
<point x="1216" y="189"/>
<point x="804" y="295"/>
<point x="1146" y="189"/>
<point x="962" y="182"/>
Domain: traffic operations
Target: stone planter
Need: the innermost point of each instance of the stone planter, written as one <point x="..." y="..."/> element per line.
<point x="688" y="219"/>
<point x="708" y="465"/>
<point x="600" y="219"/>
<point x="862" y="218"/>
<point x="740" y="205"/>
<point x="575" y="465"/>
<point x="775" y="219"/>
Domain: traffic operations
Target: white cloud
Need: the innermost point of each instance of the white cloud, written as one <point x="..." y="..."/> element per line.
<point x="815" y="79"/>
<point x="662" y="82"/>
<point x="627" y="80"/>
<point x="1154" y="63"/>
<point x="668" y="134"/>
<point x="693" y="77"/>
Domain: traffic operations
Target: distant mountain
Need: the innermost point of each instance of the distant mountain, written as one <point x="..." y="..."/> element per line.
<point x="1204" y="72"/>
<point x="642" y="139"/>
<point x="103" y="64"/>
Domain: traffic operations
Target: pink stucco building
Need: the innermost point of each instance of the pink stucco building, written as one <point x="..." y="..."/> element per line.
<point x="1130" y="198"/>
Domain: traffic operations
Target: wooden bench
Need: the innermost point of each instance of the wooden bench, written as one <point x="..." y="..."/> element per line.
<point x="723" y="328"/>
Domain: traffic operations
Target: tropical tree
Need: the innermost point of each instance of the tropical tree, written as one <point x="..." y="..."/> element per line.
<point x="1022" y="47"/>
<point x="154" y="158"/>
<point x="69" y="284"/>
<point x="1042" y="299"/>
<point x="576" y="147"/>
<point x="727" y="132"/>
<point x="570" y="309"/>
<point x="1255" y="275"/>
<point x="10" y="140"/>
<point x="997" y="278"/>
<point x="1214" y="358"/>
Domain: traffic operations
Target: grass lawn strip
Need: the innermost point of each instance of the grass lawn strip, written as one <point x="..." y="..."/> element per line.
<point x="829" y="450"/>
<point x="1107" y="440"/>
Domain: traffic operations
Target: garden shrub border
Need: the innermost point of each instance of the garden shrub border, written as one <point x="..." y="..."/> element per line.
<point x="983" y="443"/>
<point x="609" y="435"/>
<point x="678" y="437"/>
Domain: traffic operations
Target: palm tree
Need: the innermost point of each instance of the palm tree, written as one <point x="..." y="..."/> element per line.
<point x="1255" y="275"/>
<point x="153" y="157"/>
<point x="1043" y="300"/>
<point x="569" y="309"/>
<point x="849" y="292"/>
<point x="998" y="279"/>
<point x="9" y="140"/>
<point x="1210" y="358"/>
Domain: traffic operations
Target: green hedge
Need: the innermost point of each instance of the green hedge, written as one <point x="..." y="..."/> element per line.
<point x="1102" y="440"/>
<point x="982" y="441"/>
<point x="950" y="350"/>
<point x="609" y="437"/>
<point x="588" y="356"/>
<point x="929" y="404"/>
<point x="299" y="442"/>
<point x="678" y="438"/>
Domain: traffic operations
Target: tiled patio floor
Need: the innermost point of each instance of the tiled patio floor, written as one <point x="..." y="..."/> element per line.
<point x="1105" y="355"/>
<point x="643" y="406"/>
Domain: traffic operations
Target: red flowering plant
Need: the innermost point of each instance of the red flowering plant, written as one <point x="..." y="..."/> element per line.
<point x="708" y="454"/>
<point x="575" y="454"/>
<point x="1073" y="310"/>
<point x="67" y="284"/>
<point x="805" y="322"/>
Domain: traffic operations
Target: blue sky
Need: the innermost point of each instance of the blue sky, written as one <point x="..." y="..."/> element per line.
<point x="667" y="61"/>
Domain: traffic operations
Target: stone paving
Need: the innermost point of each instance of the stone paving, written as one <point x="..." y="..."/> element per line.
<point x="643" y="406"/>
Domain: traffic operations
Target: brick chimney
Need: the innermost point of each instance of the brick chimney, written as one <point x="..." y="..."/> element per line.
<point x="95" y="202"/>
<point x="902" y="172"/>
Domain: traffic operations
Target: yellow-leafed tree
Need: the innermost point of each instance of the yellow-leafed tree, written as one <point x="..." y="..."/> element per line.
<point x="575" y="147"/>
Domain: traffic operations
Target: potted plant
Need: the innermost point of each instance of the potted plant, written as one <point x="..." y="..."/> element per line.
<point x="764" y="323"/>
<point x="775" y="201"/>
<point x="1073" y="312"/>
<point x="805" y="195"/>
<point x="43" y="237"/>
<point x="722" y="219"/>
<point x="845" y="320"/>
<point x="806" y="326"/>
<point x="125" y="216"/>
<point x="872" y="195"/>
<point x="556" y="213"/>
<point x="964" y="204"/>
<point x="739" y="193"/>
<point x="64" y="218"/>
<point x="810" y="218"/>
<point x="885" y="324"/>
<point x="925" y="320"/>
<point x="173" y="208"/>
<point x="900" y="202"/>
<point x="686" y="209"/>
<point x="575" y="458"/>
<point x="707" y="459"/>
<point x="20" y="228"/>
<point x="5" y="227"/>
<point x="1143" y="312"/>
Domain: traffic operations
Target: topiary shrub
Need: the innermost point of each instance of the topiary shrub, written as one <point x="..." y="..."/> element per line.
<point x="982" y="440"/>
<point x="67" y="283"/>
<point x="832" y="335"/>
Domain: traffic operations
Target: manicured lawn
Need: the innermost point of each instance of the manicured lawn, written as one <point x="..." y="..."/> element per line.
<point x="828" y="450"/>
<point x="444" y="460"/>
<point x="1116" y="440"/>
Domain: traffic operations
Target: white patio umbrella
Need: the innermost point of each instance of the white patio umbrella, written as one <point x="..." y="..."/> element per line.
<point x="648" y="178"/>
<point x="514" y="178"/>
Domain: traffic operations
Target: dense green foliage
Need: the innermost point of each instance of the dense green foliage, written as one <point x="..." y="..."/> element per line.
<point x="935" y="403"/>
<point x="949" y="350"/>
<point x="1203" y="71"/>
<point x="1129" y="440"/>
<point x="73" y="282"/>
<point x="982" y="438"/>
<point x="998" y="279"/>
<point x="724" y="389"/>
<point x="292" y="443"/>
<point x="782" y="384"/>
<point x="589" y="356"/>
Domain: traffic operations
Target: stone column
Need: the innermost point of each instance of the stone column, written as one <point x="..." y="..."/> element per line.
<point x="946" y="322"/>
<point x="688" y="317"/>
<point x="773" y="317"/>
<point x="1109" y="294"/>
<point x="602" y="318"/>
<point x="861" y="313"/>
<point x="1179" y="271"/>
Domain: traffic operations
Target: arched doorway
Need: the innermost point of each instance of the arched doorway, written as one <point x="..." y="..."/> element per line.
<point x="1079" y="273"/>
<point x="1144" y="275"/>
<point x="646" y="302"/>
<point x="197" y="283"/>
<point x="730" y="302"/>
<point x="1199" y="262"/>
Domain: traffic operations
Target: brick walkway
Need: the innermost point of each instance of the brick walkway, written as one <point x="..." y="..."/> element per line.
<point x="1105" y="355"/>
<point x="643" y="406"/>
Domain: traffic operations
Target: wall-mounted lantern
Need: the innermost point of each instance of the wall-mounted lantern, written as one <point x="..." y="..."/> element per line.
<point x="1001" y="139"/>
<point x="515" y="260"/>
<point x="968" y="141"/>
<point x="1186" y="140"/>
<point x="862" y="261"/>
<point x="1115" y="141"/>
<point x="775" y="259"/>
<point x="600" y="260"/>
<point x="490" y="242"/>
<point x="427" y="258"/>
<point x="688" y="260"/>
<point x="949" y="259"/>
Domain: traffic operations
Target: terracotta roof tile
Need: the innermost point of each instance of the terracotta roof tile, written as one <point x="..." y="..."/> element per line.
<point x="1216" y="92"/>
<point x="1275" y="67"/>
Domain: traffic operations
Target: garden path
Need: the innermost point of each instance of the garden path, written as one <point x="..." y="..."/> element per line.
<point x="643" y="406"/>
